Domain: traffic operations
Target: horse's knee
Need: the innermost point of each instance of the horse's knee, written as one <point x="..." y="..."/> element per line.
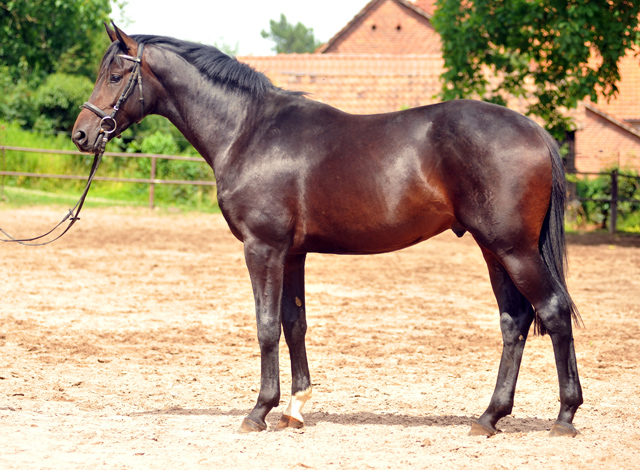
<point x="269" y="336"/>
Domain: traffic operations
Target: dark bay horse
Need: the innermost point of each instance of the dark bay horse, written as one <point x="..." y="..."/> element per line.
<point x="297" y="176"/>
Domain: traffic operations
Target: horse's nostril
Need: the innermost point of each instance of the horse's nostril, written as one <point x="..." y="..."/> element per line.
<point x="79" y="137"/>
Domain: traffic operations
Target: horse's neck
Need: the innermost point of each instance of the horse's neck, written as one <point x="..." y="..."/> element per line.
<point x="208" y="115"/>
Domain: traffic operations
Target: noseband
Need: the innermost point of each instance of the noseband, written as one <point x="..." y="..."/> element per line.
<point x="108" y="122"/>
<point x="108" y="126"/>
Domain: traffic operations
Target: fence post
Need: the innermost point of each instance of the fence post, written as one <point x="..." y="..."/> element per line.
<point x="152" y="186"/>
<point x="613" y="222"/>
<point x="4" y="169"/>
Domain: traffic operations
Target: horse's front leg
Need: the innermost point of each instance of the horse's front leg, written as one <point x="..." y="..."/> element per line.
<point x="294" y="324"/>
<point x="266" y="268"/>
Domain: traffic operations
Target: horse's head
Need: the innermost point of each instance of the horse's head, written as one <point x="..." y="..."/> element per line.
<point x="117" y="99"/>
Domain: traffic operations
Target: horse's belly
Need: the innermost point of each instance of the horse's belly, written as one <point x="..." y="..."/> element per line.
<point x="359" y="235"/>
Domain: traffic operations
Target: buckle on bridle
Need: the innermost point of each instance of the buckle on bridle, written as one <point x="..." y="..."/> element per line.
<point x="131" y="58"/>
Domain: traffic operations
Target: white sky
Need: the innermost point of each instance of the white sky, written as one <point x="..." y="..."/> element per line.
<point x="234" y="22"/>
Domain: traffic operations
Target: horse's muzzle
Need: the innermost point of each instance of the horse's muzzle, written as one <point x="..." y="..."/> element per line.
<point x="88" y="140"/>
<point x="80" y="139"/>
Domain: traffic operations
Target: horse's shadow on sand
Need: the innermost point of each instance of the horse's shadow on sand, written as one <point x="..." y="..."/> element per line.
<point x="507" y="425"/>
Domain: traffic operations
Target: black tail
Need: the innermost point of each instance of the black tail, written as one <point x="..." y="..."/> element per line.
<point x="553" y="247"/>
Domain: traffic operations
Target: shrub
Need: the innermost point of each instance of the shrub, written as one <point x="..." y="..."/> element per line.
<point x="57" y="101"/>
<point x="598" y="212"/>
<point x="16" y="100"/>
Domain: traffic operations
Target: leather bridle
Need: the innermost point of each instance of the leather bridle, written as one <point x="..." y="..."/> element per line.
<point x="108" y="122"/>
<point x="108" y="126"/>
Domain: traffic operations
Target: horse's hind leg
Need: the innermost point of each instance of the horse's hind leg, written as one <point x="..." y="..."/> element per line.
<point x="534" y="280"/>
<point x="516" y="316"/>
<point x="294" y="324"/>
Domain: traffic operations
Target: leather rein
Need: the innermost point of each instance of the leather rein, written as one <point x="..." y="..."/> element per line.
<point x="108" y="126"/>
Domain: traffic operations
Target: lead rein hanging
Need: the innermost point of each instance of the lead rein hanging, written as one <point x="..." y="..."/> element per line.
<point x="72" y="215"/>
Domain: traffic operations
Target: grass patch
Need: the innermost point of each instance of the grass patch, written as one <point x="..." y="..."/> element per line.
<point x="24" y="197"/>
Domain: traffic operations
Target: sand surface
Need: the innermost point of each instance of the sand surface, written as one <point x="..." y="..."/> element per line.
<point x="131" y="344"/>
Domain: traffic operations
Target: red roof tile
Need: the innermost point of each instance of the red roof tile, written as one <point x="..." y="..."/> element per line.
<point x="429" y="6"/>
<point x="361" y="84"/>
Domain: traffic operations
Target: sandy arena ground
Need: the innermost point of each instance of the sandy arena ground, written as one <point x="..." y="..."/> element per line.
<point x="130" y="344"/>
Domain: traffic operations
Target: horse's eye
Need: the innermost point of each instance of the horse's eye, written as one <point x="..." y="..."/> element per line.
<point x="115" y="78"/>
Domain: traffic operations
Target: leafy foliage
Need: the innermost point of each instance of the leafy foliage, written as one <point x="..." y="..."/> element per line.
<point x="16" y="99"/>
<point x="49" y="56"/>
<point x="160" y="143"/>
<point x="598" y="212"/>
<point x="565" y="49"/>
<point x="132" y="139"/>
<point x="164" y="143"/>
<point x="291" y="38"/>
<point x="50" y="105"/>
<point x="34" y="34"/>
<point x="61" y="40"/>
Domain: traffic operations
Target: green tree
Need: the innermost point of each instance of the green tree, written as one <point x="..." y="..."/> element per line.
<point x="35" y="34"/>
<point x="565" y="50"/>
<point x="227" y="48"/>
<point x="289" y="38"/>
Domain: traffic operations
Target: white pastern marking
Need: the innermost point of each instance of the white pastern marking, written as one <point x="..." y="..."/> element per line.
<point x="296" y="403"/>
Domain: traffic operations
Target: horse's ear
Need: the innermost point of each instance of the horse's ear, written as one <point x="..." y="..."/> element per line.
<point x="110" y="32"/>
<point x="127" y="43"/>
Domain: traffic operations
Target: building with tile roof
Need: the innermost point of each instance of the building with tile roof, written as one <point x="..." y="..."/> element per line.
<point x="360" y="84"/>
<point x="388" y="57"/>
<point x="387" y="27"/>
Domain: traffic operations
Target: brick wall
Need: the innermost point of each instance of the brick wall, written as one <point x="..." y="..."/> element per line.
<point x="626" y="104"/>
<point x="603" y="144"/>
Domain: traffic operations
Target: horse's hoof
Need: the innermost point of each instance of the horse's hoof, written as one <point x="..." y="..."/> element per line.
<point x="478" y="429"/>
<point x="289" y="422"/>
<point x="563" y="430"/>
<point x="251" y="426"/>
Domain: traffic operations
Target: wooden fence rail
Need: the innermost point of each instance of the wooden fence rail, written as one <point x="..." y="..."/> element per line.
<point x="151" y="181"/>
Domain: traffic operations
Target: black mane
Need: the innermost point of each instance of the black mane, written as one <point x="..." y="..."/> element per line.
<point x="211" y="62"/>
